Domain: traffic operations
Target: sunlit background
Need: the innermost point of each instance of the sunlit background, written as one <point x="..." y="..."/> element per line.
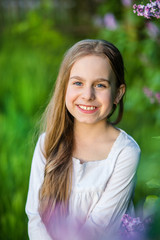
<point x="33" y="38"/>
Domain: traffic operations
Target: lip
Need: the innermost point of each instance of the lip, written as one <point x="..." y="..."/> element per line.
<point x="85" y="110"/>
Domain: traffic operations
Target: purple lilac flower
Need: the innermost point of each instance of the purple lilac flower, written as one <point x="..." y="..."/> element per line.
<point x="132" y="224"/>
<point x="149" y="10"/>
<point x="149" y="94"/>
<point x="153" y="30"/>
<point x="110" y="21"/>
<point x="152" y="96"/>
<point x="132" y="228"/>
<point x="157" y="95"/>
<point x="126" y="3"/>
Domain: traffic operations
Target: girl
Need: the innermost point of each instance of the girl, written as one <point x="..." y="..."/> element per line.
<point x="83" y="169"/>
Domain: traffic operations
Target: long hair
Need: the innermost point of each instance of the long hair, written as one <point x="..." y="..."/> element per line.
<point x="59" y="140"/>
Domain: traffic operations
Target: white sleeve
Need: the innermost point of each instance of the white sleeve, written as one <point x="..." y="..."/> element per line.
<point x="107" y="213"/>
<point x="36" y="229"/>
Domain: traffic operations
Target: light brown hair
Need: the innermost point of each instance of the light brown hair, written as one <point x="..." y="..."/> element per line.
<point x="59" y="141"/>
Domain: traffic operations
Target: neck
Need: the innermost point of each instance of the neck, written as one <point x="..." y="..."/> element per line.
<point x="90" y="132"/>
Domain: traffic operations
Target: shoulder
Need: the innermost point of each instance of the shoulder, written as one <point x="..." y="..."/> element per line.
<point x="128" y="149"/>
<point x="129" y="142"/>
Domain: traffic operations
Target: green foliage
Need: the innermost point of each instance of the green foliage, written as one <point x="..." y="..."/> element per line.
<point x="31" y="51"/>
<point x="151" y="208"/>
<point x="29" y="63"/>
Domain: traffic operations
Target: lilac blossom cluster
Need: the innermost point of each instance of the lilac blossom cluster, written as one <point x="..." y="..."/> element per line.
<point x="154" y="97"/>
<point x="149" y="10"/>
<point x="69" y="227"/>
<point x="134" y="228"/>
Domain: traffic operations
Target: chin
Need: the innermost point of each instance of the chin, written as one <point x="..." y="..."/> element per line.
<point x="87" y="121"/>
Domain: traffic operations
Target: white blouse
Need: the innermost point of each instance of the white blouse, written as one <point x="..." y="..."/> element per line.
<point x="102" y="191"/>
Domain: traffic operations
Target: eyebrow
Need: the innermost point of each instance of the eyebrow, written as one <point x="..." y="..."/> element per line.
<point x="96" y="80"/>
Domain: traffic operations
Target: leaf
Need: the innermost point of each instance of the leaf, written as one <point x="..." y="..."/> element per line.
<point x="156" y="137"/>
<point x="150" y="203"/>
<point x="153" y="183"/>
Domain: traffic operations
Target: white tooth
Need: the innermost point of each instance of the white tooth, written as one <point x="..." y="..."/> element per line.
<point x="82" y="107"/>
<point x="86" y="108"/>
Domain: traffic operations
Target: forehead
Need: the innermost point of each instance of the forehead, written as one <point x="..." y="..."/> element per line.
<point x="93" y="66"/>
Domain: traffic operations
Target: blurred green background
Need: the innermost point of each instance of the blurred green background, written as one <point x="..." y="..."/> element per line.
<point x="33" y="38"/>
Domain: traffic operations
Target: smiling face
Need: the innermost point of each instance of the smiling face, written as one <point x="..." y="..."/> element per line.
<point x="91" y="89"/>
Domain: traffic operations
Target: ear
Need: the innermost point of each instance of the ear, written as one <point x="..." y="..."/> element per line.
<point x="120" y="92"/>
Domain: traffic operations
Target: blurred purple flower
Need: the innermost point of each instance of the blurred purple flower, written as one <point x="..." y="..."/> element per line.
<point x="132" y="224"/>
<point x="126" y="3"/>
<point x="152" y="96"/>
<point x="110" y="22"/>
<point x="134" y="228"/>
<point x="153" y="30"/>
<point x="149" y="10"/>
<point x="73" y="227"/>
<point x="149" y="94"/>
<point x="157" y="95"/>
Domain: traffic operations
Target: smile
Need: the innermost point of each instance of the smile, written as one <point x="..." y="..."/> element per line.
<point x="87" y="107"/>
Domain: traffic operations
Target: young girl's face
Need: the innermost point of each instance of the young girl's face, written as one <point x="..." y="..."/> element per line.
<point x="91" y="89"/>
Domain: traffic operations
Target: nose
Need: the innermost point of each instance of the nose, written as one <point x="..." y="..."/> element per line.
<point x="88" y="93"/>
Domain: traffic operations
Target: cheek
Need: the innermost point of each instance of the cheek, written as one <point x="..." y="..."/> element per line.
<point x="107" y="98"/>
<point x="70" y="97"/>
<point x="67" y="99"/>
